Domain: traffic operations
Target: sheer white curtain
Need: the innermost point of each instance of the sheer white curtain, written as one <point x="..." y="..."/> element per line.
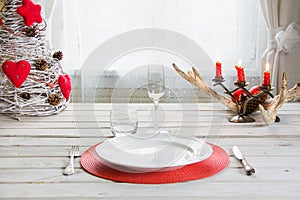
<point x="63" y="29"/>
<point x="78" y="27"/>
<point x="227" y="30"/>
<point x="48" y="14"/>
<point x="282" y="19"/>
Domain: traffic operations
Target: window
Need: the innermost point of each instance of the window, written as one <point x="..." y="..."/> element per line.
<point x="228" y="28"/>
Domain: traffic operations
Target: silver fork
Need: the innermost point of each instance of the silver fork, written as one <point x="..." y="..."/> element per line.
<point x="69" y="169"/>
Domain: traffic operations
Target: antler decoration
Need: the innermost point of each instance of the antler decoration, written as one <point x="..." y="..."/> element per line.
<point x="268" y="108"/>
<point x="196" y="79"/>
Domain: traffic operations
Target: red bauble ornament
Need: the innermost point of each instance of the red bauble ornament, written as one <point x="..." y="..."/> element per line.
<point x="1" y="22"/>
<point x="255" y="90"/>
<point x="64" y="82"/>
<point x="238" y="94"/>
<point x="30" y="12"/>
<point x="16" y="72"/>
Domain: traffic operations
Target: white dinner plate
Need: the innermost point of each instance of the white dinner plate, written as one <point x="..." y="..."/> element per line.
<point x="153" y="154"/>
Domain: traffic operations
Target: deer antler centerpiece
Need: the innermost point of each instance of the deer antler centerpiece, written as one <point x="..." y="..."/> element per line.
<point x="248" y="102"/>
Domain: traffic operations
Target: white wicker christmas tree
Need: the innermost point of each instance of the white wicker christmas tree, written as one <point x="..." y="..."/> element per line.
<point x="32" y="81"/>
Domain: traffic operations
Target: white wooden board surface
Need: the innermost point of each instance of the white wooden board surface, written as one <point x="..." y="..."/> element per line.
<point x="34" y="151"/>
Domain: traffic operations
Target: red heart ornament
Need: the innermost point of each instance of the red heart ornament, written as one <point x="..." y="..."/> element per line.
<point x="16" y="72"/>
<point x="64" y="82"/>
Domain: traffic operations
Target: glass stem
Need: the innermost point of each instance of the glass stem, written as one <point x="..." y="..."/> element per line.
<point x="155" y="115"/>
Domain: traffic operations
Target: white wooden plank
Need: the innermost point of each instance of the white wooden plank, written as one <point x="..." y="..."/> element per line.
<point x="213" y="130"/>
<point x="216" y="189"/>
<point x="96" y="113"/>
<point x="167" y="106"/>
<point x="31" y="141"/>
<point x="19" y="163"/>
<point x="62" y="151"/>
<point x="146" y="117"/>
<point x="54" y="175"/>
<point x="171" y="120"/>
<point x="81" y="109"/>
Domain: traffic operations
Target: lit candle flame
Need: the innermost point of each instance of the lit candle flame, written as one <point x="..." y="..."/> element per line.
<point x="267" y="67"/>
<point x="240" y="63"/>
<point x="219" y="57"/>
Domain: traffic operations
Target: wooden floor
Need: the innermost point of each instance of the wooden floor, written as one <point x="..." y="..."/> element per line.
<point x="34" y="151"/>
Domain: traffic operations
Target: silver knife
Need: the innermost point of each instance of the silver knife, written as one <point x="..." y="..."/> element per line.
<point x="237" y="153"/>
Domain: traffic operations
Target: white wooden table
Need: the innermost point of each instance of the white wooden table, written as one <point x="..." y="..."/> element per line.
<point x="34" y="151"/>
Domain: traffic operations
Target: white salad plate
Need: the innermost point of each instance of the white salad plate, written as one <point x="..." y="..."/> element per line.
<point x="153" y="154"/>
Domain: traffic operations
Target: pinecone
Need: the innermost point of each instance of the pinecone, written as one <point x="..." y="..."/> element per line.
<point x="54" y="99"/>
<point x="263" y="97"/>
<point x="30" y="32"/>
<point x="41" y="64"/>
<point x="58" y="55"/>
<point x="252" y="105"/>
<point x="25" y="95"/>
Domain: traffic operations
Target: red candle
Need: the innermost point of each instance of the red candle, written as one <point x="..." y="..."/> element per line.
<point x="240" y="72"/>
<point x="267" y="76"/>
<point x="218" y="69"/>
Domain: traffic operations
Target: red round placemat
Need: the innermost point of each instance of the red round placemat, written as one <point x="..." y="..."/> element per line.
<point x="218" y="161"/>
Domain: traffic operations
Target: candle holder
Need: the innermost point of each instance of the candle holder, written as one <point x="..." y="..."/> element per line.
<point x="249" y="102"/>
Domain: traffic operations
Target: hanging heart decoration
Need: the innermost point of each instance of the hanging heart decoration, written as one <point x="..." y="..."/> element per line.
<point x="16" y="72"/>
<point x="64" y="82"/>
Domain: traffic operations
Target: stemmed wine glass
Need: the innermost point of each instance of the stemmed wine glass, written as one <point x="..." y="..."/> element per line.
<point x="156" y="87"/>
